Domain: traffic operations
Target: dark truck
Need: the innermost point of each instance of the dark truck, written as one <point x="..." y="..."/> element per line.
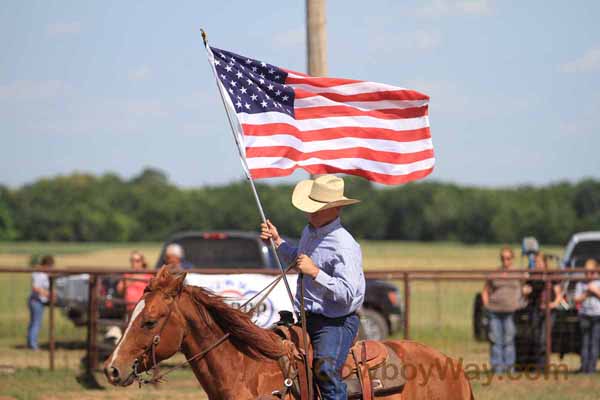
<point x="566" y="336"/>
<point x="380" y="315"/>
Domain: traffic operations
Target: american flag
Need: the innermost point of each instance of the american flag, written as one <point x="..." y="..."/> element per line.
<point x="290" y="120"/>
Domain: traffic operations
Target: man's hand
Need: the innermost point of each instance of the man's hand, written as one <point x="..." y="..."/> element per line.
<point x="268" y="231"/>
<point x="305" y="265"/>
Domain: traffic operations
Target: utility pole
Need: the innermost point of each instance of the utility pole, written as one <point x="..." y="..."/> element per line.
<point x="316" y="37"/>
<point x="316" y="40"/>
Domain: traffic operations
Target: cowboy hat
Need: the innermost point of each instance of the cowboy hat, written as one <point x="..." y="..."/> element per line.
<point x="327" y="191"/>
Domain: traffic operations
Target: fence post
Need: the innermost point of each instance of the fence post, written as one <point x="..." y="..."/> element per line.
<point x="92" y="357"/>
<point x="548" y="321"/>
<point x="406" y="306"/>
<point x="51" y="343"/>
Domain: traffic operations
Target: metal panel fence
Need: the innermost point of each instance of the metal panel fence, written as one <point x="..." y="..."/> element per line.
<point x="62" y="344"/>
<point x="438" y="306"/>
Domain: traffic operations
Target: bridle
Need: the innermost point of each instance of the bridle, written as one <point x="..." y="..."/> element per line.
<point x="157" y="377"/>
<point x="151" y="352"/>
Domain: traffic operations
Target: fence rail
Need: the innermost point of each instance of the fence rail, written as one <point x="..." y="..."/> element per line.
<point x="406" y="279"/>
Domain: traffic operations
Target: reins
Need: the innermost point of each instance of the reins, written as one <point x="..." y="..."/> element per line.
<point x="156" y="377"/>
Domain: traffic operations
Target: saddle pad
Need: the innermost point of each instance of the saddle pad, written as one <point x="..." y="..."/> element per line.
<point x="376" y="354"/>
<point x="386" y="379"/>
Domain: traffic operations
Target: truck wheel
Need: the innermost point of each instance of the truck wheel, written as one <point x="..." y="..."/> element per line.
<point x="372" y="325"/>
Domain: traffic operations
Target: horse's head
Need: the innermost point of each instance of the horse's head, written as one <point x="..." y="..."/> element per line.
<point x="155" y="331"/>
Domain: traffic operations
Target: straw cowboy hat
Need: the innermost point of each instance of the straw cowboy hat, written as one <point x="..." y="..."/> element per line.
<point x="327" y="191"/>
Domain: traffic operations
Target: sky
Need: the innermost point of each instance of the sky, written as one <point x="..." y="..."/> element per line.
<point x="113" y="86"/>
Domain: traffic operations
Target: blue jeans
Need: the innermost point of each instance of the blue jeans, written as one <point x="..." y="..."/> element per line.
<point x="331" y="339"/>
<point x="590" y="342"/>
<point x="502" y="335"/>
<point x="36" y="313"/>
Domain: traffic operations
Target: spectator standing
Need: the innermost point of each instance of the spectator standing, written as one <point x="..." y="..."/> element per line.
<point x="175" y="256"/>
<point x="588" y="295"/>
<point x="39" y="296"/>
<point x="535" y="289"/>
<point x="501" y="297"/>
<point x="132" y="285"/>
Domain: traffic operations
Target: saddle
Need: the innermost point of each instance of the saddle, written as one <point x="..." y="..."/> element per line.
<point x="371" y="369"/>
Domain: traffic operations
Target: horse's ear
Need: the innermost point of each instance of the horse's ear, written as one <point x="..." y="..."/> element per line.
<point x="170" y="279"/>
<point x="163" y="274"/>
<point x="176" y="286"/>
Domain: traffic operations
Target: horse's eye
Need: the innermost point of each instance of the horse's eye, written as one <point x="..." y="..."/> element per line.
<point x="149" y="324"/>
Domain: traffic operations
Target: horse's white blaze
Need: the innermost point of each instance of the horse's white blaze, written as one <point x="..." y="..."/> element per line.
<point x="136" y="312"/>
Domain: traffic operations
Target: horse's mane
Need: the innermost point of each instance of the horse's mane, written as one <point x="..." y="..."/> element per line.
<point x="244" y="333"/>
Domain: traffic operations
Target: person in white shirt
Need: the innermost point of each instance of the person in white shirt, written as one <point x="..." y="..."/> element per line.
<point x="587" y="294"/>
<point x="39" y="296"/>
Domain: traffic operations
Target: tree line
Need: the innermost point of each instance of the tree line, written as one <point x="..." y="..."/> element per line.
<point x="148" y="207"/>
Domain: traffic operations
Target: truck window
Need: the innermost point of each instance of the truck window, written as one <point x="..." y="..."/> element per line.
<point x="220" y="253"/>
<point x="585" y="250"/>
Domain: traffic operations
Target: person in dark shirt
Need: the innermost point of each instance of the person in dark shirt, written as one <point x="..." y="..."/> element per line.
<point x="535" y="290"/>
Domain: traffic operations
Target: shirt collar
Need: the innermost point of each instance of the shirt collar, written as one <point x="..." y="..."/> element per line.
<point x="325" y="229"/>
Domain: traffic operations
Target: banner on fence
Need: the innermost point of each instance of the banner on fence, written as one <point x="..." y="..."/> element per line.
<point x="238" y="288"/>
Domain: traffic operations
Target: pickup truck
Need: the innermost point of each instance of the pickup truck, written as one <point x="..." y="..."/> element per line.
<point x="381" y="314"/>
<point x="566" y="337"/>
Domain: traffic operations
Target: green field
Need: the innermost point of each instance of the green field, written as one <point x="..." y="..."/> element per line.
<point x="440" y="317"/>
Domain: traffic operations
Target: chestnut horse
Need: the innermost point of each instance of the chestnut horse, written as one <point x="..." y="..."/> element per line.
<point x="243" y="365"/>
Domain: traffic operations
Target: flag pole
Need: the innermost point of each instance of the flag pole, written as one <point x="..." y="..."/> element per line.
<point x="236" y="138"/>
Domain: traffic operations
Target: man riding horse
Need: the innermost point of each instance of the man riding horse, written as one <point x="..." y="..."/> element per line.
<point x="330" y="261"/>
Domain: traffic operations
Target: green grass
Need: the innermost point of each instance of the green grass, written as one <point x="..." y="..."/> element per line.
<point x="440" y="317"/>
<point x="435" y="255"/>
<point x="36" y="383"/>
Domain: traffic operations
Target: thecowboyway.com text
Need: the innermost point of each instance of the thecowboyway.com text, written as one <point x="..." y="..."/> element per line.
<point x="473" y="371"/>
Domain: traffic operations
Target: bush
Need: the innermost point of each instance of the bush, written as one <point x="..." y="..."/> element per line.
<point x="83" y="207"/>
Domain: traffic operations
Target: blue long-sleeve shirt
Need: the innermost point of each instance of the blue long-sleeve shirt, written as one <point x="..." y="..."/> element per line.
<point x="339" y="287"/>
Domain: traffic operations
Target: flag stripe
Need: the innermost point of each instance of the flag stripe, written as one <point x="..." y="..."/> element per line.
<point x="366" y="96"/>
<point x="342" y="86"/>
<point x="322" y="82"/>
<point x="335" y="133"/>
<point x="333" y="122"/>
<point x="341" y="143"/>
<point x="259" y="173"/>
<point x="346" y="111"/>
<point x="354" y="152"/>
<point x="319" y="101"/>
<point x="343" y="163"/>
<point x="387" y="179"/>
<point x="319" y="85"/>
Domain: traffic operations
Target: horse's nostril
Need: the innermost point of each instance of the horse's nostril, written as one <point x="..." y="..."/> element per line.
<point x="114" y="373"/>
